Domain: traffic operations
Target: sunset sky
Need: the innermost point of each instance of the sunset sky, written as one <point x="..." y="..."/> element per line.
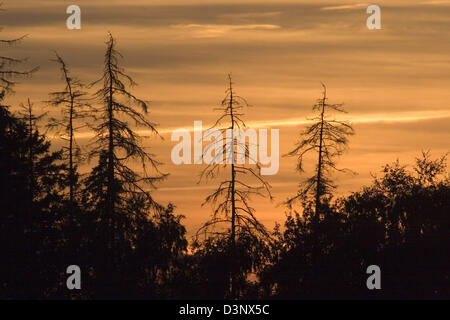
<point x="394" y="82"/>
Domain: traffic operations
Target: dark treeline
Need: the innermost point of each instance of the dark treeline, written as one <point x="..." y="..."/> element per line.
<point x="130" y="246"/>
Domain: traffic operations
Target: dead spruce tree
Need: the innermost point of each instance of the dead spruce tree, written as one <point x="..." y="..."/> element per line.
<point x="117" y="144"/>
<point x="232" y="216"/>
<point x="328" y="138"/>
<point x="74" y="106"/>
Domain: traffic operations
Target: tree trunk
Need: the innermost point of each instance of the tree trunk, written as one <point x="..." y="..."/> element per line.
<point x="110" y="201"/>
<point x="71" y="170"/>
<point x="30" y="164"/>
<point x="233" y="204"/>
<point x="319" y="164"/>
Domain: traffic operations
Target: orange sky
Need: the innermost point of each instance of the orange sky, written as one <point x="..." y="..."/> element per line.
<point x="394" y="82"/>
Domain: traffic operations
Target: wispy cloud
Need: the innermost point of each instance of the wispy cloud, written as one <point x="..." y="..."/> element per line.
<point x="367" y="118"/>
<point x="345" y="7"/>
<point x="292" y="122"/>
<point x="216" y="30"/>
<point x="436" y="2"/>
<point x="251" y="15"/>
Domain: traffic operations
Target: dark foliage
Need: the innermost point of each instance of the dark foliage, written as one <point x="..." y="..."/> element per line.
<point x="400" y="222"/>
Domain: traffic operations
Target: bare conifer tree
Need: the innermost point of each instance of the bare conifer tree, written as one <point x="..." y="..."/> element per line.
<point x="74" y="107"/>
<point x="118" y="142"/>
<point x="327" y="137"/>
<point x="231" y="199"/>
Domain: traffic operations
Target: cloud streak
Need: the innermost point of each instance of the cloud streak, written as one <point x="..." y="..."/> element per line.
<point x="436" y="2"/>
<point x="369" y="118"/>
<point x="346" y="7"/>
<point x="216" y="30"/>
<point x="292" y="122"/>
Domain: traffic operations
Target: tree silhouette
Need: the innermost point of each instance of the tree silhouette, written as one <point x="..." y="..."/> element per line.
<point x="412" y="207"/>
<point x="30" y="119"/>
<point x="29" y="183"/>
<point x="114" y="192"/>
<point x="328" y="137"/>
<point x="8" y="73"/>
<point x="116" y="138"/>
<point x="30" y="189"/>
<point x="74" y="107"/>
<point x="231" y="198"/>
<point x="130" y="246"/>
<point x="212" y="263"/>
<point x="399" y="222"/>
